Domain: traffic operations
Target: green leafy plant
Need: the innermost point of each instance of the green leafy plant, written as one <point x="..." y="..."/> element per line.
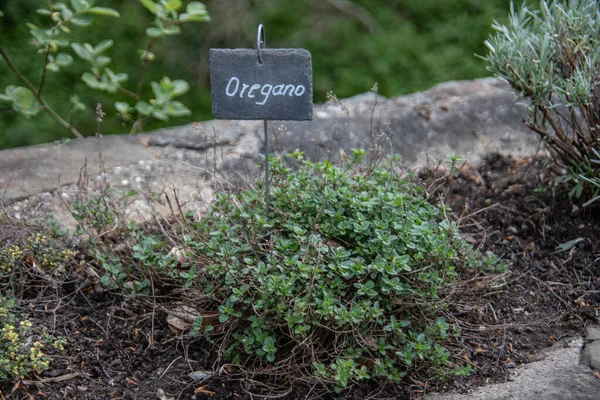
<point x="21" y="348"/>
<point x="54" y="42"/>
<point x="347" y="280"/>
<point x="94" y="215"/>
<point x="148" y="261"/>
<point x="551" y="57"/>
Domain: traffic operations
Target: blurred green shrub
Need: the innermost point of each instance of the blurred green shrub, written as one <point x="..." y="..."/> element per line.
<point x="55" y="41"/>
<point x="404" y="45"/>
<point x="551" y="57"/>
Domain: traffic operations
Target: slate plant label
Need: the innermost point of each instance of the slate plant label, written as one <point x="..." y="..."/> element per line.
<point x="279" y="88"/>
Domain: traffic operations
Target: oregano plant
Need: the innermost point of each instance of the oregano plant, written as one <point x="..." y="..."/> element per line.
<point x="57" y="43"/>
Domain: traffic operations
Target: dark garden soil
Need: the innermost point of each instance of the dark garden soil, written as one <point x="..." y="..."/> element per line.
<point x="550" y="291"/>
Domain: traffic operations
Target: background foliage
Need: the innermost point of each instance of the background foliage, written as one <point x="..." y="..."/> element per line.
<point x="404" y="45"/>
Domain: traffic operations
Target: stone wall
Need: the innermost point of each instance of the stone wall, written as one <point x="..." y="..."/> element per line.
<point x="467" y="118"/>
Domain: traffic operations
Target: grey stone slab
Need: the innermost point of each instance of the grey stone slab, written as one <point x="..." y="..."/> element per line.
<point x="466" y="118"/>
<point x="590" y="356"/>
<point x="30" y="170"/>
<point x="203" y="136"/>
<point x="557" y="377"/>
<point x="278" y="88"/>
<point x="592" y="333"/>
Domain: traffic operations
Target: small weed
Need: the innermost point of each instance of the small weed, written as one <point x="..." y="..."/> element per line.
<point x="94" y="213"/>
<point x="21" y="349"/>
<point x="37" y="252"/>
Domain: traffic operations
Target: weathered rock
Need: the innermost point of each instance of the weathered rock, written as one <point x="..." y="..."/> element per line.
<point x="467" y="118"/>
<point x="592" y="333"/>
<point x="27" y="171"/>
<point x="557" y="377"/>
<point x="590" y="356"/>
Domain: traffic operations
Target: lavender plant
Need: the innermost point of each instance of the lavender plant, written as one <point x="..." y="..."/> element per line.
<point x="551" y="58"/>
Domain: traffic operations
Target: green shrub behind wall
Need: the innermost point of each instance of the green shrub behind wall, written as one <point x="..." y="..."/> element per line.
<point x="412" y="45"/>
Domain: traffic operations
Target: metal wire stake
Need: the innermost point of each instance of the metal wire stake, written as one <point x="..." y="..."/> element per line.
<point x="261" y="44"/>
<point x="266" y="171"/>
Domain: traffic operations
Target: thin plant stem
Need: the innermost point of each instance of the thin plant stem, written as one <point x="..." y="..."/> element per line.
<point x="139" y="122"/>
<point x="39" y="97"/>
<point x="143" y="67"/>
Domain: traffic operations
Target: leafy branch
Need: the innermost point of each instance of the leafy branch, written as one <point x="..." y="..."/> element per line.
<point x="29" y="100"/>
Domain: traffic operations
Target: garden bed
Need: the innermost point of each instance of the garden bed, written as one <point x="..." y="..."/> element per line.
<point x="122" y="349"/>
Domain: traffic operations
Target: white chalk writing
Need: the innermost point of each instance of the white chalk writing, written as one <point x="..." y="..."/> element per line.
<point x="233" y="89"/>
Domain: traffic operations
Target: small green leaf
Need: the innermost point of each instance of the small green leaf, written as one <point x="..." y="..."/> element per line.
<point x="223" y="318"/>
<point x="172" y="30"/>
<point x="66" y="13"/>
<point x="173" y="5"/>
<point x="24" y="97"/>
<point x="150" y="5"/>
<point x="148" y="55"/>
<point x="181" y="87"/>
<point x="177" y="109"/>
<point x="158" y="93"/>
<point x="185" y="17"/>
<point x="63" y="59"/>
<point x="122" y="107"/>
<point x="23" y="100"/>
<point x="143" y="108"/>
<point x="195" y="12"/>
<point x="60" y="42"/>
<point x="160" y="114"/>
<point x="104" y="11"/>
<point x="154" y="32"/>
<point x="121" y="77"/>
<point x="10" y="89"/>
<point x="58" y="6"/>
<point x="77" y="105"/>
<point x="82" y="51"/>
<point x="103" y="46"/>
<point x="79" y="5"/>
<point x="110" y="74"/>
<point x="40" y="36"/>
<point x="90" y="80"/>
<point x="81" y="20"/>
<point x="195" y="8"/>
<point x="102" y="61"/>
<point x="52" y="67"/>
<point x="42" y="11"/>
<point x="319" y="368"/>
